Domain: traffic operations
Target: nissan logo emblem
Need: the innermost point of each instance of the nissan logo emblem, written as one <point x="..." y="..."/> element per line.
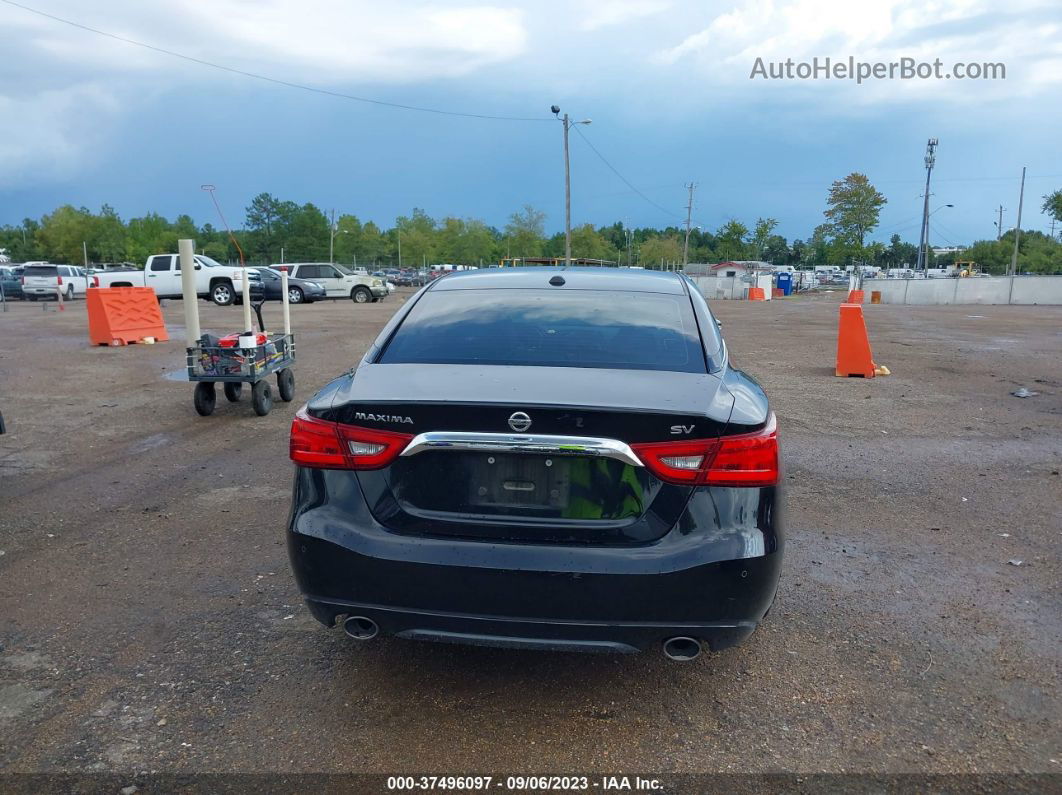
<point x="519" y="422"/>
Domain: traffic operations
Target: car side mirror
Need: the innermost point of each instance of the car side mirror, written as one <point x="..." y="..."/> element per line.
<point x="198" y="267"/>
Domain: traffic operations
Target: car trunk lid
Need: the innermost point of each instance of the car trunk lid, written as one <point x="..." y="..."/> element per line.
<point x="528" y="453"/>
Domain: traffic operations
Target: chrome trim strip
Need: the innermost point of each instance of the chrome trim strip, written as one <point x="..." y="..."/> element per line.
<point x="523" y="443"/>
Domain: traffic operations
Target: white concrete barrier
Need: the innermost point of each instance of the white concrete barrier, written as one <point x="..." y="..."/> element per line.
<point x="994" y="290"/>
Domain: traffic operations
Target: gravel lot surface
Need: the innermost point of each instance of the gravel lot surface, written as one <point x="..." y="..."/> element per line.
<point x="149" y="621"/>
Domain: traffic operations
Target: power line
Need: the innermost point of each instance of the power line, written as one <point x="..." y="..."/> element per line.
<point x="265" y="78"/>
<point x="625" y="181"/>
<point x="937" y="231"/>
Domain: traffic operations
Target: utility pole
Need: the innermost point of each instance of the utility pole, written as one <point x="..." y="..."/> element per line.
<point x="630" y="241"/>
<point x="84" y="252"/>
<point x="399" y="248"/>
<point x="689" y="210"/>
<point x="999" y="224"/>
<point x="567" y="183"/>
<point x="1017" y="229"/>
<point x="923" y="254"/>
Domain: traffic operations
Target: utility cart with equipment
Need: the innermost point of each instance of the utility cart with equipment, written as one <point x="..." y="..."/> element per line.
<point x="247" y="357"/>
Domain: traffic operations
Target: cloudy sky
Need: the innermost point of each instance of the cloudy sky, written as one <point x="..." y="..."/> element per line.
<point x="87" y="119"/>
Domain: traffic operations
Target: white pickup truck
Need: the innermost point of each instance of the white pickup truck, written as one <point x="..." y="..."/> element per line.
<point x="222" y="284"/>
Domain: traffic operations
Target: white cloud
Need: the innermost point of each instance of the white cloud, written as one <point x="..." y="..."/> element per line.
<point x="363" y="41"/>
<point x="53" y="73"/>
<point x="597" y="14"/>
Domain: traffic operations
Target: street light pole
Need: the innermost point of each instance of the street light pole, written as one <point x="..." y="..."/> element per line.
<point x="567" y="198"/>
<point x="686" y="242"/>
<point x="567" y="184"/>
<point x="941" y="207"/>
<point x="332" y="239"/>
<point x="1013" y="270"/>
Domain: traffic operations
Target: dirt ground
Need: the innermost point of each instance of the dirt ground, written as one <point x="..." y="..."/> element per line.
<point x="149" y="620"/>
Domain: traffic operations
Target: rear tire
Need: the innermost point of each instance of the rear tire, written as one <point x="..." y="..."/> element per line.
<point x="286" y="384"/>
<point x="205" y="398"/>
<point x="233" y="390"/>
<point x="361" y="295"/>
<point x="262" y="398"/>
<point x="69" y="293"/>
<point x="295" y="295"/>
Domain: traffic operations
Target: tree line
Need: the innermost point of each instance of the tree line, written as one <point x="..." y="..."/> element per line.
<point x="276" y="230"/>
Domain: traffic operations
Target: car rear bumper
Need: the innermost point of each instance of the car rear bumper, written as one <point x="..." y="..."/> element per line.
<point x="522" y="633"/>
<point x="532" y="596"/>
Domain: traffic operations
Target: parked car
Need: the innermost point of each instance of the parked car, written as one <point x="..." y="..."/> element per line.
<point x="299" y="290"/>
<point x="338" y="281"/>
<point x="11" y="282"/>
<point x="222" y="284"/>
<point x="45" y="281"/>
<point x="542" y="458"/>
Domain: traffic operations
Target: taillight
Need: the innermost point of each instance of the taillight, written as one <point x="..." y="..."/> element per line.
<point x="748" y="459"/>
<point x="95" y="281"/>
<point x="60" y="278"/>
<point x="329" y="445"/>
<point x="678" y="462"/>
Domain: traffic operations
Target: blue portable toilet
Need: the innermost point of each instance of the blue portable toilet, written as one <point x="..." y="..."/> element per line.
<point x="785" y="283"/>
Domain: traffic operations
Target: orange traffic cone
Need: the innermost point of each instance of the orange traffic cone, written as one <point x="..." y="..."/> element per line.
<point x="853" y="345"/>
<point x="855" y="297"/>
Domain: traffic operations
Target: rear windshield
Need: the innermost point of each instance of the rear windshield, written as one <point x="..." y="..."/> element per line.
<point x="577" y="328"/>
<point x="40" y="270"/>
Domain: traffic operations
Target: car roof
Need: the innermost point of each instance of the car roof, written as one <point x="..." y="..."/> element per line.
<point x="537" y="276"/>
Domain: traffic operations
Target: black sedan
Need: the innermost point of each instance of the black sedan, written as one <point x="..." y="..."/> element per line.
<point x="542" y="458"/>
<point x="300" y="291"/>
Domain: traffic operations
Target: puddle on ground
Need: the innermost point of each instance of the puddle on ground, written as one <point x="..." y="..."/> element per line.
<point x="150" y="443"/>
<point x="18" y="698"/>
<point x="176" y="375"/>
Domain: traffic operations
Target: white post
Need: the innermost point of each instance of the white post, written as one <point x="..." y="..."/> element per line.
<point x="247" y="303"/>
<point x="284" y="298"/>
<point x="186" y="252"/>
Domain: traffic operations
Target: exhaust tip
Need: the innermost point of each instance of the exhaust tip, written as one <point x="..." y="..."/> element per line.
<point x="361" y="628"/>
<point x="682" y="649"/>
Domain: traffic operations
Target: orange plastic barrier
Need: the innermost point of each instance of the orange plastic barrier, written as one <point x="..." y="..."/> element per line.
<point x="120" y="315"/>
<point x="875" y="297"/>
<point x="853" y="345"/>
<point x="756" y="294"/>
<point x="855" y="297"/>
